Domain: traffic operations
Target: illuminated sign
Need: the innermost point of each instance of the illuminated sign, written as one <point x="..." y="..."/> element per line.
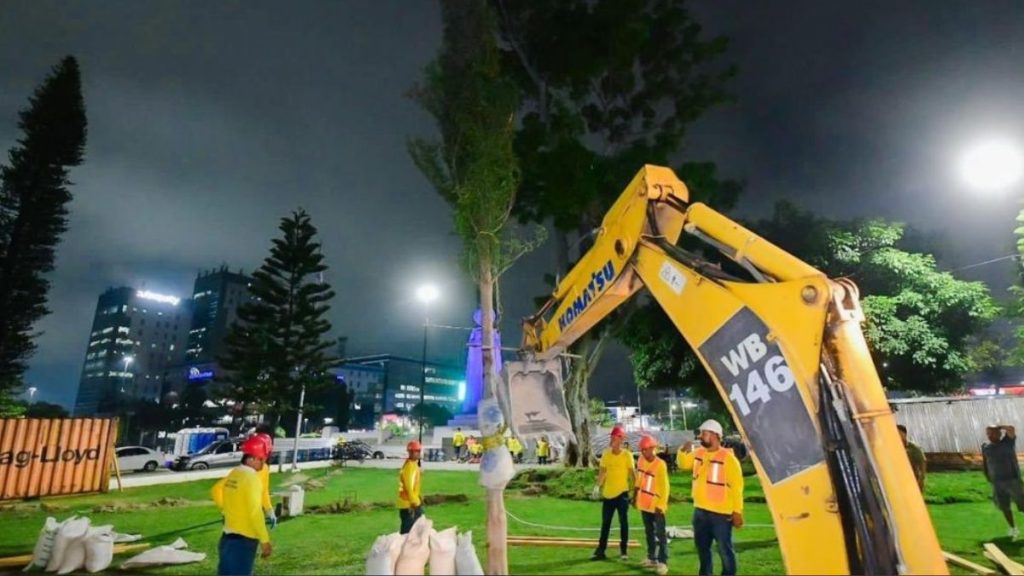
<point x="164" y="298"/>
<point x="462" y="391"/>
<point x="197" y="374"/>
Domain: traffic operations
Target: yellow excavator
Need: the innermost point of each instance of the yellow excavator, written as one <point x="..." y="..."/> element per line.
<point x="786" y="352"/>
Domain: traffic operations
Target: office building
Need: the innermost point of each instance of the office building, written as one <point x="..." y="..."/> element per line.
<point x="389" y="383"/>
<point x="216" y="296"/>
<point x="136" y="349"/>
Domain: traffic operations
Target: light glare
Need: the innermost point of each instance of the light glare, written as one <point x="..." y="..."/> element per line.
<point x="427" y="293"/>
<point x="992" y="165"/>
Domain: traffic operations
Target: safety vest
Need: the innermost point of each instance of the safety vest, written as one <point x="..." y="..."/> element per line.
<point x="646" y="486"/>
<point x="716" y="483"/>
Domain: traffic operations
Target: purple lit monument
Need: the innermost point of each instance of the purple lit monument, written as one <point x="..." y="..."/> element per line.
<point x="475" y="365"/>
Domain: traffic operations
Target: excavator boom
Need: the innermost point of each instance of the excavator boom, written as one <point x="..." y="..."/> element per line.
<point x="787" y="354"/>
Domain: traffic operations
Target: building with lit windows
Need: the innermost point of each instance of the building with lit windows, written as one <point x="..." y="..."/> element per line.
<point x="136" y="349"/>
<point x="392" y="383"/>
<point x="216" y="296"/>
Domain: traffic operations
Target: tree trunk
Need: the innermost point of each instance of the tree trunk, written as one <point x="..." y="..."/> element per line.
<point x="497" y="528"/>
<point x="579" y="453"/>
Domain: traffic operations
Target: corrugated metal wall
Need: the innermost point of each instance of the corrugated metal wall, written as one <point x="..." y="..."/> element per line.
<point x="956" y="425"/>
<point x="45" y="457"/>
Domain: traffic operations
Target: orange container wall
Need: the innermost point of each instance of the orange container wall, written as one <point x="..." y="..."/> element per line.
<point x="47" y="457"/>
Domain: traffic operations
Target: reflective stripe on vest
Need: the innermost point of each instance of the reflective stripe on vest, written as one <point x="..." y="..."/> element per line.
<point x="716" y="482"/>
<point x="646" y="495"/>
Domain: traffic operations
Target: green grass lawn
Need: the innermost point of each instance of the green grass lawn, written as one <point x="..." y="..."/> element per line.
<point x="338" y="543"/>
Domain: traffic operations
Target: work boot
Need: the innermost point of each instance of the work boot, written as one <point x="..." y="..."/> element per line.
<point x="598" y="555"/>
<point x="648" y="563"/>
<point x="661" y="569"/>
<point x="624" y="557"/>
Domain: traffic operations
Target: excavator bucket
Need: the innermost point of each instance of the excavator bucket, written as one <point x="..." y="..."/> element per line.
<point x="533" y="399"/>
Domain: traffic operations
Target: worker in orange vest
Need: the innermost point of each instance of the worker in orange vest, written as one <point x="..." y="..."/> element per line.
<point x="717" y="496"/>
<point x="410" y="505"/>
<point x="652" y="500"/>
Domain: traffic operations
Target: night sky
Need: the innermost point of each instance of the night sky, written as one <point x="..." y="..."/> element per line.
<point x="208" y="122"/>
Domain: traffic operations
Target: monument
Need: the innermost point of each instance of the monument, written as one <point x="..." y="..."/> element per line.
<point x="467" y="419"/>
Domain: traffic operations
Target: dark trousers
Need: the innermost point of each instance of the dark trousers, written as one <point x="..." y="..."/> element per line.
<point x="542" y="459"/>
<point x="409" y="517"/>
<point x="657" y="541"/>
<point x="708" y="527"/>
<point x="237" y="555"/>
<point x="609" y="506"/>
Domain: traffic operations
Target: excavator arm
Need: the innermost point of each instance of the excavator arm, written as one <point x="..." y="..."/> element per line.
<point x="786" y="351"/>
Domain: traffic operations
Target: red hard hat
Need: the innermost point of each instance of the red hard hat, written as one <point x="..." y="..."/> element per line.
<point x="618" y="432"/>
<point x="413" y="446"/>
<point x="256" y="447"/>
<point x="266" y="438"/>
<point x="648" y="442"/>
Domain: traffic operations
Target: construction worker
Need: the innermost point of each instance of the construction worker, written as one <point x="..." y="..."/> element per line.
<point x="239" y="497"/>
<point x="652" y="491"/>
<point x="410" y="505"/>
<point x="999" y="457"/>
<point x="717" y="496"/>
<point x="516" y="448"/>
<point x="476" y="451"/>
<point x="458" y="441"/>
<point x="613" y="488"/>
<point x="543" y="450"/>
<point x="268" y="507"/>
<point x="916" y="456"/>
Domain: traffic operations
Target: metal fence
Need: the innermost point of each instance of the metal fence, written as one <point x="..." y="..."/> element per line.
<point x="46" y="457"/>
<point x="957" y="425"/>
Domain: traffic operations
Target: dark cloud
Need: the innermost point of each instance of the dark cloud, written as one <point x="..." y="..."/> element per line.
<point x="208" y="122"/>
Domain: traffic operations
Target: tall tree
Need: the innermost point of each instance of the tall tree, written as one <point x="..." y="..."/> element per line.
<point x="34" y="192"/>
<point x="474" y="168"/>
<point x="278" y="347"/>
<point x="609" y="85"/>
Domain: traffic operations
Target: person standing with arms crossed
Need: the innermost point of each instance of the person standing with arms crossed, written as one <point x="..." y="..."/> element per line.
<point x="410" y="505"/>
<point x="613" y="488"/>
<point x="717" y="496"/>
<point x="999" y="457"/>
<point x="239" y="496"/>
<point x="652" y="489"/>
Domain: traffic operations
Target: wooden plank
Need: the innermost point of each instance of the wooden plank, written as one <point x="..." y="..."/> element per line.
<point x="562" y="539"/>
<point x="561" y="543"/>
<point x="997" y="556"/>
<point x="24" y="559"/>
<point x="964" y="563"/>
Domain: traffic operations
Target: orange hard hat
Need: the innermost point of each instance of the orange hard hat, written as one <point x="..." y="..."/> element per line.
<point x="256" y="447"/>
<point x="413" y="446"/>
<point x="648" y="442"/>
<point x="618" y="432"/>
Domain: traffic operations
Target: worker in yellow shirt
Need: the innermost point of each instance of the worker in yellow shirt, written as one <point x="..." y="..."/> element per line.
<point x="264" y="473"/>
<point x="410" y="505"/>
<point x="613" y="480"/>
<point x="239" y="496"/>
<point x="515" y="447"/>
<point x="543" y="450"/>
<point x="476" y="451"/>
<point x="717" y="496"/>
<point x="652" y="491"/>
<point x="458" y="441"/>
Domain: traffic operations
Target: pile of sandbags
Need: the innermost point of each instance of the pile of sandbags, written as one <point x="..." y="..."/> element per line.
<point x="445" y="552"/>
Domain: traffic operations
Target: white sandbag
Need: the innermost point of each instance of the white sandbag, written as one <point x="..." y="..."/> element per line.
<point x="72" y="529"/>
<point x="442" y="552"/>
<point x="164" y="555"/>
<point x="380" y="559"/>
<point x="466" y="561"/>
<point x="44" y="544"/>
<point x="74" y="556"/>
<point x="416" y="550"/>
<point x="395" y="550"/>
<point x="99" y="550"/>
<point x="120" y="538"/>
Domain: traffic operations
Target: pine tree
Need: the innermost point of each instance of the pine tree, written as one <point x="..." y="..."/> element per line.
<point x="34" y="192"/>
<point x="278" y="346"/>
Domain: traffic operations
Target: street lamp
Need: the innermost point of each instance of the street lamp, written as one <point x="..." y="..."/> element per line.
<point x="992" y="165"/>
<point x="684" y="405"/>
<point x="426" y="294"/>
<point x="31" y="393"/>
<point x="127" y="362"/>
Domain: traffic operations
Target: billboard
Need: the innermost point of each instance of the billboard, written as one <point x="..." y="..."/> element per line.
<point x="51" y="456"/>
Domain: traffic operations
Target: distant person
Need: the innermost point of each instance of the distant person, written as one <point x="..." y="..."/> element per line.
<point x="543" y="450"/>
<point x="239" y="496"/>
<point x="652" y="491"/>
<point x="515" y="447"/>
<point x="410" y="505"/>
<point x="612" y="488"/>
<point x="916" y="456"/>
<point x="458" y="441"/>
<point x="717" y="496"/>
<point x="1003" y="471"/>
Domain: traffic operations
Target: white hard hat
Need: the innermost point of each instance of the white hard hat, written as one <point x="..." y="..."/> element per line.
<point x="711" y="426"/>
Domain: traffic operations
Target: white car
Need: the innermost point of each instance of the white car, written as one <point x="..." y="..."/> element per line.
<point x="138" y="458"/>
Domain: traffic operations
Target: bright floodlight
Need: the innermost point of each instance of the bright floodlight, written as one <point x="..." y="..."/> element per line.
<point x="427" y="293"/>
<point x="992" y="165"/>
